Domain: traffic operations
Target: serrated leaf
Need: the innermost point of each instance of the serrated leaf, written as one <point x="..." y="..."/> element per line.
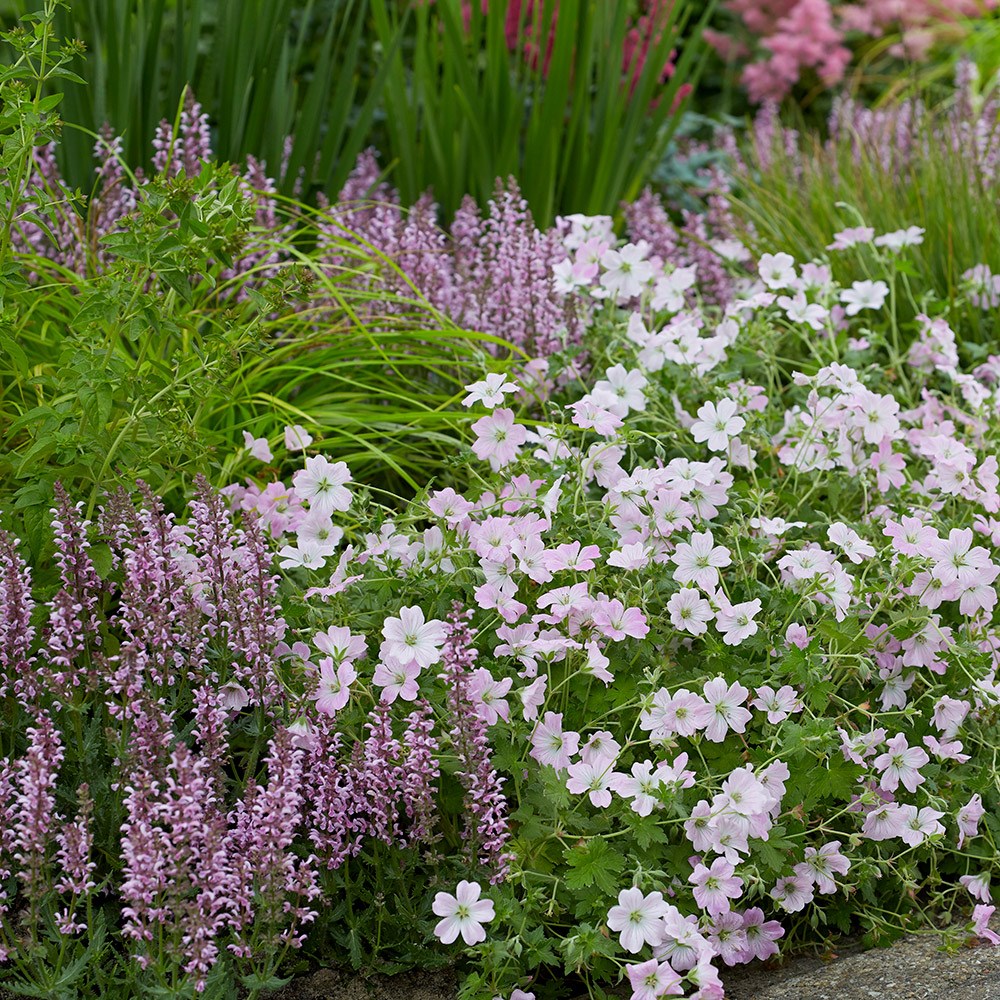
<point x="775" y="853"/>
<point x="836" y="778"/>
<point x="647" y="831"/>
<point x="593" y="863"/>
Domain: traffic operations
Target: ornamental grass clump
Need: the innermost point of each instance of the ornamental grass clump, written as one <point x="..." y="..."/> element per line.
<point x="874" y="167"/>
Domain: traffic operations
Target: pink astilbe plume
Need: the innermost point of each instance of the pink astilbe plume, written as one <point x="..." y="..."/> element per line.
<point x="188" y="150"/>
<point x="420" y="774"/>
<point x="362" y="193"/>
<point x="7" y="835"/>
<point x="161" y="624"/>
<point x="74" y="857"/>
<point x="385" y="788"/>
<point x="503" y="266"/>
<point x="275" y="887"/>
<point x="378" y="778"/>
<point x="179" y="884"/>
<point x="647" y="219"/>
<point x="487" y="830"/>
<point x="493" y="274"/>
<point x="796" y="37"/>
<point x="34" y="811"/>
<point x="49" y="855"/>
<point x="239" y="591"/>
<point x="116" y="199"/>
<point x="333" y="829"/>
<point x="368" y="211"/>
<point x="211" y="729"/>
<point x="72" y="627"/>
<point x="17" y="671"/>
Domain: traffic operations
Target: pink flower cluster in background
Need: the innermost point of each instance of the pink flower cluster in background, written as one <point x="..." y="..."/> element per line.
<point x="783" y="40"/>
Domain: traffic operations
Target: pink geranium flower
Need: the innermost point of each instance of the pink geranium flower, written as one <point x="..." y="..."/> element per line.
<point x="682" y="712"/>
<point x="594" y="778"/>
<point x="910" y="536"/>
<point x="725" y="703"/>
<point x="340" y="643"/>
<point x="793" y="892"/>
<point x="489" y="696"/>
<point x="779" y="704"/>
<point x="533" y="697"/>
<point x="761" y="934"/>
<point x="920" y="824"/>
<point x="699" y="560"/>
<point x="797" y="635"/>
<point x="689" y="611"/>
<point x="850" y="237"/>
<point x="981" y="916"/>
<point x="726" y="934"/>
<point x="617" y="622"/>
<point x="321" y="484"/>
<point x="736" y="621"/>
<point x="297" y="438"/>
<point x="334" y="687"/>
<point x="637" y="918"/>
<point x="824" y="863"/>
<point x="714" y="887"/>
<point x="978" y="886"/>
<point x="716" y="424"/>
<point x="397" y="680"/>
<point x="642" y="786"/>
<point x="777" y="270"/>
<point x="462" y="913"/>
<point x="901" y="763"/>
<point x="498" y="438"/>
<point x="550" y="745"/>
<point x="681" y="943"/>
<point x="258" y="447"/>
<point x="884" y="822"/>
<point x="889" y="466"/>
<point x="968" y="819"/>
<point x="851" y="543"/>
<point x="864" y="295"/>
<point x="653" y="979"/>
<point x="411" y="639"/>
<point x="489" y="392"/>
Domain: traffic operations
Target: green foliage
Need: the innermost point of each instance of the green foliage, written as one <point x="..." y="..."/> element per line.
<point x="262" y="69"/>
<point x="27" y="112"/>
<point x="452" y="102"/>
<point x="593" y="863"/>
<point x="465" y="104"/>
<point x="155" y="366"/>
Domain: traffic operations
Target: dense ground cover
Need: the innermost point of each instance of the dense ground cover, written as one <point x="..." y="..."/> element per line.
<point x="701" y="660"/>
<point x="586" y="599"/>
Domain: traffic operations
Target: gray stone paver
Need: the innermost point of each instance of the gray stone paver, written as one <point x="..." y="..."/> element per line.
<point x="912" y="969"/>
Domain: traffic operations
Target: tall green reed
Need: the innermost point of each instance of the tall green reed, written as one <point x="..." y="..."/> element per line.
<point x="262" y="69"/>
<point x="465" y="102"/>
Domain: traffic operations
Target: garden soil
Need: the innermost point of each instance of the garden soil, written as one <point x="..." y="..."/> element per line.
<point x="913" y="969"/>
